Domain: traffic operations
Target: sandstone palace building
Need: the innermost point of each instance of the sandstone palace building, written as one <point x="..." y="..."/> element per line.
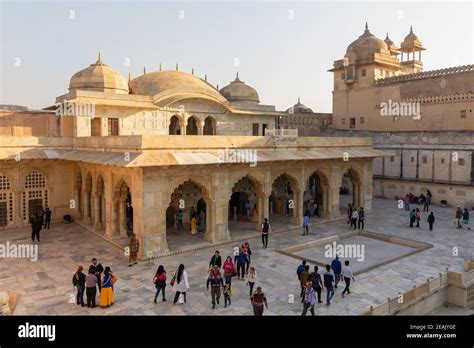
<point x="124" y="156"/>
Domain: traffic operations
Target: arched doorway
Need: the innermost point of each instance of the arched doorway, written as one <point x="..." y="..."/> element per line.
<point x="78" y="196"/>
<point x="188" y="200"/>
<point x="174" y="128"/>
<point x="283" y="200"/>
<point x="350" y="191"/>
<point x="245" y="206"/>
<point x="122" y="218"/>
<point x="209" y="126"/>
<point x="316" y="199"/>
<point x="191" y="127"/>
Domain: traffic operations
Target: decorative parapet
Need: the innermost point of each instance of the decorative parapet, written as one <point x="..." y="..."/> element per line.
<point x="424" y="75"/>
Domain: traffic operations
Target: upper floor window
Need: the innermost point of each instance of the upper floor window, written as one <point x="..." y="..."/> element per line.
<point x="461" y="161"/>
<point x="113" y="126"/>
<point x="363" y="73"/>
<point x="343" y="121"/>
<point x="463" y="113"/>
<point x="362" y="120"/>
<point x="352" y="122"/>
<point x="425" y="159"/>
<point x="255" y="129"/>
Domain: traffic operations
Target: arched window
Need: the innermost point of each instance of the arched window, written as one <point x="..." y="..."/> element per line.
<point x="209" y="126"/>
<point x="174" y="126"/>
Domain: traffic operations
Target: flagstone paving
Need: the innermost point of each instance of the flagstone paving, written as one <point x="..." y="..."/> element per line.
<point x="46" y="289"/>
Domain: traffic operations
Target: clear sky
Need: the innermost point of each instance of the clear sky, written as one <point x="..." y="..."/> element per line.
<point x="283" y="49"/>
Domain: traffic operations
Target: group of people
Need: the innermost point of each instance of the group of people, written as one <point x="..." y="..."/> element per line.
<point x="217" y="283"/>
<point x="312" y="283"/>
<point x="355" y="218"/>
<point x="40" y="220"/>
<point x="461" y="218"/>
<point x="91" y="282"/>
<point x="410" y="198"/>
<point x="197" y="221"/>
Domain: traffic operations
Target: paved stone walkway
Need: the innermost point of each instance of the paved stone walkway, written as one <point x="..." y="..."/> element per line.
<point x="46" y="286"/>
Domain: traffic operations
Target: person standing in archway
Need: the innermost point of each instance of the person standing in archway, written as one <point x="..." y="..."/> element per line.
<point x="266" y="228"/>
<point x="194" y="225"/>
<point x="134" y="246"/>
<point x="202" y="221"/>
<point x="255" y="213"/>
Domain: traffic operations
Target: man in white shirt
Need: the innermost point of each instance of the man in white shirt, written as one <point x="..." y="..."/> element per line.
<point x="354" y="217"/>
<point x="347" y="275"/>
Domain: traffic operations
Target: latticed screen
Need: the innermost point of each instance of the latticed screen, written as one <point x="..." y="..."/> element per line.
<point x="6" y="201"/>
<point x="35" y="180"/>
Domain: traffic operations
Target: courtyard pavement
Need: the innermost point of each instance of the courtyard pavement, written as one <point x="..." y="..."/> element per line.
<point x="46" y="289"/>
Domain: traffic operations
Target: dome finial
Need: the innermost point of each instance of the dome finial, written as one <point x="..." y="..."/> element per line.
<point x="411" y="29"/>
<point x="366" y="26"/>
<point x="386" y="37"/>
<point x="217" y="86"/>
<point x="99" y="59"/>
<point x="129" y="76"/>
<point x="366" y="31"/>
<point x="299" y="101"/>
<point x="177" y="67"/>
<point x="192" y="71"/>
<point x="160" y="66"/>
<point x="205" y="77"/>
<point x="144" y="70"/>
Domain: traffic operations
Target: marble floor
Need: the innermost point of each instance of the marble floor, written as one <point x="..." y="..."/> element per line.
<point x="46" y="289"/>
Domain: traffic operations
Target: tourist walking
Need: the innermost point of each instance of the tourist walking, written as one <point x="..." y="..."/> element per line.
<point x="194" y="225"/>
<point x="247" y="208"/>
<point x="465" y="218"/>
<point x="216" y="260"/>
<point x="227" y="295"/>
<point x="412" y="217"/>
<point x="304" y="277"/>
<point x="107" y="290"/>
<point x="79" y="281"/>
<point x="354" y="218"/>
<point x="349" y="213"/>
<point x="249" y="254"/>
<point x="134" y="246"/>
<point x="91" y="289"/>
<point x="431" y="221"/>
<point x="308" y="299"/>
<point x="241" y="261"/>
<point x="328" y="281"/>
<point x="336" y="266"/>
<point x="47" y="218"/>
<point x="406" y="201"/>
<point x="347" y="275"/>
<point x="229" y="270"/>
<point x="361" y="218"/>
<point x="160" y="282"/>
<point x="266" y="228"/>
<point x="180" y="283"/>
<point x="417" y="217"/>
<point x="300" y="269"/>
<point x="215" y="282"/>
<point x="36" y="225"/>
<point x="426" y="205"/>
<point x="305" y="225"/>
<point x="258" y="300"/>
<point x="317" y="283"/>
<point x="97" y="269"/>
<point x="458" y="217"/>
<point x="251" y="279"/>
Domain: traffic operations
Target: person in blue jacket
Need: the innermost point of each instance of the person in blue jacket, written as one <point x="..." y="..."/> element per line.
<point x="336" y="266"/>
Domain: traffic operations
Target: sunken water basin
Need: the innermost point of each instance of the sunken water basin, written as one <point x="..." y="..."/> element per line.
<point x="365" y="250"/>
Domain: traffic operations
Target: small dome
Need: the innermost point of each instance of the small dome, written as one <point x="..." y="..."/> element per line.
<point x="411" y="41"/>
<point x="170" y="81"/>
<point x="239" y="91"/>
<point x="99" y="77"/>
<point x="391" y="45"/>
<point x="299" y="108"/>
<point x="367" y="44"/>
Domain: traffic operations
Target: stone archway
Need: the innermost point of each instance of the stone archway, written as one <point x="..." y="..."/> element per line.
<point x="317" y="195"/>
<point x="192" y="126"/>
<point x="174" y="127"/>
<point x="209" y="126"/>
<point x="284" y="201"/>
<point x="189" y="199"/>
<point x="122" y="212"/>
<point x="351" y="190"/>
<point x="246" y="205"/>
